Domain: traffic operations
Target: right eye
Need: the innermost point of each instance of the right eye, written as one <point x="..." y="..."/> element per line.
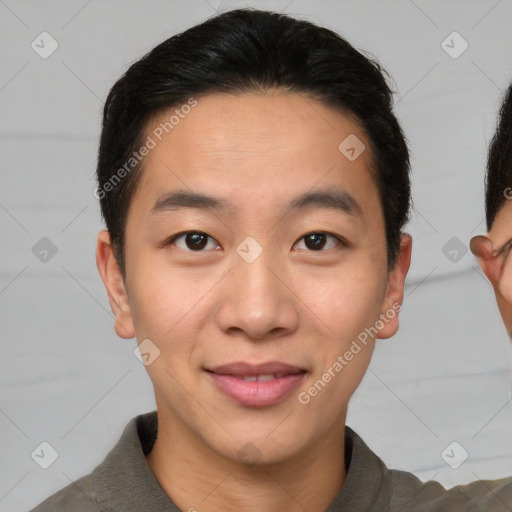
<point x="194" y="241"/>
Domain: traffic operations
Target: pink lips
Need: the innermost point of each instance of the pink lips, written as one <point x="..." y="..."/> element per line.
<point x="257" y="385"/>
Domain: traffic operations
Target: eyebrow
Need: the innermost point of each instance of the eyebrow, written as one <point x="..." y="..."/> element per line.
<point x="332" y="197"/>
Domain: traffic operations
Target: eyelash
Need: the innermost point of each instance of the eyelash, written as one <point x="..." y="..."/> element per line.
<point x="341" y="240"/>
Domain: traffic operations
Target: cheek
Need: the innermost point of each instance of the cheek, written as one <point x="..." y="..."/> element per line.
<point x="161" y="296"/>
<point x="152" y="306"/>
<point x="346" y="300"/>
<point x="167" y="312"/>
<point x="505" y="286"/>
<point x="328" y="393"/>
<point x="349" y="304"/>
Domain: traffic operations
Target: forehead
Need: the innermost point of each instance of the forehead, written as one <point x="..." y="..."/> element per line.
<point x="259" y="150"/>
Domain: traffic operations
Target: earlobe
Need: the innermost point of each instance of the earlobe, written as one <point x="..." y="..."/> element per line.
<point x="395" y="289"/>
<point x="114" y="284"/>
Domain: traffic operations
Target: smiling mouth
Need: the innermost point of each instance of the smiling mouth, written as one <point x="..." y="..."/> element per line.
<point x="256" y="385"/>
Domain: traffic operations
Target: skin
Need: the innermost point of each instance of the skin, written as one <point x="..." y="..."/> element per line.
<point x="292" y="304"/>
<point x="497" y="268"/>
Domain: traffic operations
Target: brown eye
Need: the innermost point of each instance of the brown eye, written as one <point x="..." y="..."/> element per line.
<point x="193" y="241"/>
<point x="319" y="240"/>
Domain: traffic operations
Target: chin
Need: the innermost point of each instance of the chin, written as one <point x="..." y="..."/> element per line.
<point x="253" y="451"/>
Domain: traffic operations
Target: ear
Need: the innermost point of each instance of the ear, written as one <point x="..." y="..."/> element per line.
<point x="395" y="289"/>
<point x="115" y="286"/>
<point x="491" y="266"/>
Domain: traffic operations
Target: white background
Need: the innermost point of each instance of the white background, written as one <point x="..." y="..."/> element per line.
<point x="68" y="380"/>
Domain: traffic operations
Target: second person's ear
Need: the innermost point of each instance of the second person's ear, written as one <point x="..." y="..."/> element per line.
<point x="491" y="266"/>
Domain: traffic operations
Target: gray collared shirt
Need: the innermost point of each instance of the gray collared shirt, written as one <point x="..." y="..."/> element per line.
<point x="124" y="482"/>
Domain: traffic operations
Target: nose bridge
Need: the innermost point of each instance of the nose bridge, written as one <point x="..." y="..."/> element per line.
<point x="257" y="276"/>
<point x="257" y="283"/>
<point x="256" y="300"/>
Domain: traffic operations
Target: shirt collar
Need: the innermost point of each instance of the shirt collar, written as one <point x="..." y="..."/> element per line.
<point x="365" y="478"/>
<point x="124" y="481"/>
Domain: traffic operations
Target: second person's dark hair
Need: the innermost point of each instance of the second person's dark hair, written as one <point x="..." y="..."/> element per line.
<point x="251" y="50"/>
<point x="498" y="181"/>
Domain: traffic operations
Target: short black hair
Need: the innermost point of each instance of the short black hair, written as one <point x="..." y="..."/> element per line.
<point x="247" y="50"/>
<point x="498" y="180"/>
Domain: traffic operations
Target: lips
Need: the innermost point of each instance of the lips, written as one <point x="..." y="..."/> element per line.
<point x="242" y="369"/>
<point x="256" y="385"/>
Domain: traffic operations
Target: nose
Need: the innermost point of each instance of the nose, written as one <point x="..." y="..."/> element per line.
<point x="257" y="301"/>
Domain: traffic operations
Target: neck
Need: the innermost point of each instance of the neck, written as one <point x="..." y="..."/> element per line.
<point x="505" y="308"/>
<point x="196" y="478"/>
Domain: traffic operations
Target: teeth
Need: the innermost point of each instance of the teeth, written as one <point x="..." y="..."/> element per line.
<point x="268" y="376"/>
<point x="263" y="377"/>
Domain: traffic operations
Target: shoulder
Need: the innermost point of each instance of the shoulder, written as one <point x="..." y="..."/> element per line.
<point x="409" y="492"/>
<point x="392" y="490"/>
<point x="77" y="496"/>
<point x="123" y="469"/>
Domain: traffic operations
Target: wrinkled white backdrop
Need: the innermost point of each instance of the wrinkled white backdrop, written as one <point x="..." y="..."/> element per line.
<point x="66" y="379"/>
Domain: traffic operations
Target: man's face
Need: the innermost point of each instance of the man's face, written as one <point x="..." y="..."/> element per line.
<point x="251" y="287"/>
<point x="498" y="268"/>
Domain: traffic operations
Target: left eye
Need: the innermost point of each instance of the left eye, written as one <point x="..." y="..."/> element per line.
<point x="317" y="241"/>
<point x="194" y="240"/>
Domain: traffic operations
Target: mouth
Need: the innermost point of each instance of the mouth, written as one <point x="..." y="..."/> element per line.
<point x="256" y="385"/>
